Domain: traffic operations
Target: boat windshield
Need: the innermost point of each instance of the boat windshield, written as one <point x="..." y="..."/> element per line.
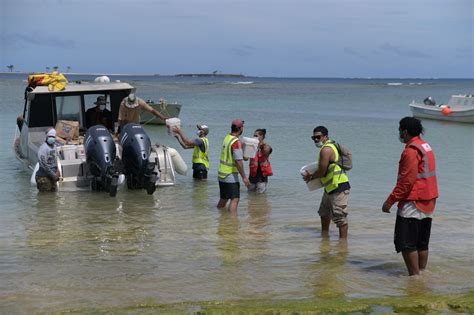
<point x="69" y="108"/>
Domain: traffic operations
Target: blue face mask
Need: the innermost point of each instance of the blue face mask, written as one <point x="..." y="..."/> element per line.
<point x="51" y="140"/>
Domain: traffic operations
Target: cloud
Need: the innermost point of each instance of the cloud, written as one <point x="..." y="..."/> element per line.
<point x="352" y="52"/>
<point x="403" y="52"/>
<point x="21" y="40"/>
<point x="242" y="50"/>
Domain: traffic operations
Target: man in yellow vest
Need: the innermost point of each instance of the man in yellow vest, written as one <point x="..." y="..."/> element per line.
<point x="201" y="150"/>
<point x="230" y="166"/>
<point x="335" y="182"/>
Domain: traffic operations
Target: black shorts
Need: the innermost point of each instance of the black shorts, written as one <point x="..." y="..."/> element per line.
<point x="199" y="171"/>
<point x="229" y="190"/>
<point x="412" y="234"/>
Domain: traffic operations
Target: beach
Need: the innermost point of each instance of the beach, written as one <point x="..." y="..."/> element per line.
<point x="81" y="251"/>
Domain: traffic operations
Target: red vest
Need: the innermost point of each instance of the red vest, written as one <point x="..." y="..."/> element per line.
<point x="426" y="185"/>
<point x="262" y="160"/>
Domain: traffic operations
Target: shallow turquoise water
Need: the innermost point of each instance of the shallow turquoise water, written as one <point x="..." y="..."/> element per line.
<point x="84" y="249"/>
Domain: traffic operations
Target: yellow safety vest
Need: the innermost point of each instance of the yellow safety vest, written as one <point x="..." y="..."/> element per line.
<point x="202" y="157"/>
<point x="335" y="175"/>
<point x="227" y="163"/>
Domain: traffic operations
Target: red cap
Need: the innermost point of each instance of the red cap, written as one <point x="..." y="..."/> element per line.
<point x="238" y="123"/>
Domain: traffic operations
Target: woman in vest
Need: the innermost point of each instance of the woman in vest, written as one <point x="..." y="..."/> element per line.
<point x="416" y="192"/>
<point x="201" y="150"/>
<point x="259" y="166"/>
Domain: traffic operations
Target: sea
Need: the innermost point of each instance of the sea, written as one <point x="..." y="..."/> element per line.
<point x="83" y="251"/>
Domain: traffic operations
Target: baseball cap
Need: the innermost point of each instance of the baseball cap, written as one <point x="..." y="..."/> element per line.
<point x="204" y="128"/>
<point x="238" y="123"/>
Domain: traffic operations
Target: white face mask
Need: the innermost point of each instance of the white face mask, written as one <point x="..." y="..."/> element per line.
<point x="101" y="107"/>
<point x="51" y="140"/>
<point x="319" y="144"/>
<point x="198" y="132"/>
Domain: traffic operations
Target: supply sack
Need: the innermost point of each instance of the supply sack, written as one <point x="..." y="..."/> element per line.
<point x="345" y="157"/>
<point x="67" y="129"/>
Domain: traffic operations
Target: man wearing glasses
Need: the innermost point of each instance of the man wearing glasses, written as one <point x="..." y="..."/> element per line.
<point x="335" y="181"/>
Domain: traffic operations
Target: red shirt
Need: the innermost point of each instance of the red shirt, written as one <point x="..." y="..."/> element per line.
<point x="407" y="172"/>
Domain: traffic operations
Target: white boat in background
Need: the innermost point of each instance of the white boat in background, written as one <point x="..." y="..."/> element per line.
<point x="163" y="107"/>
<point x="460" y="108"/>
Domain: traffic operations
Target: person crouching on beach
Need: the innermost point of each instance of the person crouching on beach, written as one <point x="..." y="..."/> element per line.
<point x="416" y="192"/>
<point x="230" y="166"/>
<point x="201" y="150"/>
<point x="259" y="166"/>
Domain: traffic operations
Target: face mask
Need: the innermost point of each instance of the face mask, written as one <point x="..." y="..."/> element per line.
<point x="318" y="144"/>
<point x="51" y="140"/>
<point x="101" y="107"/>
<point x="198" y="132"/>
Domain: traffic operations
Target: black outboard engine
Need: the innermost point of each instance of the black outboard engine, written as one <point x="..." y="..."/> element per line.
<point x="429" y="101"/>
<point x="100" y="153"/>
<point x="136" y="149"/>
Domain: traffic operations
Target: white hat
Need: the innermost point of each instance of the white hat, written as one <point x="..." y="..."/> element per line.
<point x="51" y="133"/>
<point x="204" y="128"/>
<point x="132" y="101"/>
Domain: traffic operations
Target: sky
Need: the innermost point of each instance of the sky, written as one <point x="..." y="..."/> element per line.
<point x="268" y="38"/>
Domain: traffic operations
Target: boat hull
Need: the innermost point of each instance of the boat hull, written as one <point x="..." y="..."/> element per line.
<point x="167" y="109"/>
<point x="434" y="112"/>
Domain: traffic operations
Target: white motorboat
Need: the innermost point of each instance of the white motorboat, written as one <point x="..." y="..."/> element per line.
<point x="91" y="157"/>
<point x="163" y="107"/>
<point x="460" y="108"/>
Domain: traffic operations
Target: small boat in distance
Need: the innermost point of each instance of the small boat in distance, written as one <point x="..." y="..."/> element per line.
<point x="460" y="108"/>
<point x="164" y="108"/>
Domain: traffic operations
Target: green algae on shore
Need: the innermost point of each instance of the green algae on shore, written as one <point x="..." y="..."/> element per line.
<point x="433" y="304"/>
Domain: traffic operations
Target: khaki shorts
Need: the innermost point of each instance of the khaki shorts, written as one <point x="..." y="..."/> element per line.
<point x="335" y="207"/>
<point x="45" y="183"/>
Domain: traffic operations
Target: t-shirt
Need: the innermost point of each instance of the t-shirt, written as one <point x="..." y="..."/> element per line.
<point x="237" y="154"/>
<point x="47" y="161"/>
<point x="132" y="115"/>
<point x="200" y="143"/>
<point x="96" y="117"/>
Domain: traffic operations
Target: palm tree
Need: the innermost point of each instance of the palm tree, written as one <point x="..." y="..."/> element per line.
<point x="10" y="67"/>
<point x="47" y="69"/>
<point x="55" y="68"/>
<point x="68" y="68"/>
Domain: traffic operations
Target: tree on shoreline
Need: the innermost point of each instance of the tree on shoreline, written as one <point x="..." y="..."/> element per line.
<point x="10" y="67"/>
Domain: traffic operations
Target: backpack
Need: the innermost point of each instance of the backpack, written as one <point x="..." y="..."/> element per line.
<point x="345" y="157"/>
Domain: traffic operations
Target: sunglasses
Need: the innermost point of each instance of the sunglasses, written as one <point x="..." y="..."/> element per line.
<point x="316" y="137"/>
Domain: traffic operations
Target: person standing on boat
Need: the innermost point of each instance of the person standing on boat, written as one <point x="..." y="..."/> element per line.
<point x="416" y="192"/>
<point x="48" y="174"/>
<point x="99" y="115"/>
<point x="335" y="182"/>
<point x="230" y="166"/>
<point x="259" y="166"/>
<point x="201" y="150"/>
<point x="131" y="108"/>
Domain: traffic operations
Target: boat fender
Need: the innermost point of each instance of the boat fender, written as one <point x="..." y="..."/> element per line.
<point x="179" y="165"/>
<point x="446" y="111"/>
<point x="33" y="176"/>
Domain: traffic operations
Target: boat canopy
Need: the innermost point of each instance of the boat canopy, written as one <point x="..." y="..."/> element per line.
<point x="85" y="88"/>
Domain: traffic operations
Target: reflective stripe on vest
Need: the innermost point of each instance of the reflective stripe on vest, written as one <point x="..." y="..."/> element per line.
<point x="335" y="175"/>
<point x="227" y="163"/>
<point x="202" y="157"/>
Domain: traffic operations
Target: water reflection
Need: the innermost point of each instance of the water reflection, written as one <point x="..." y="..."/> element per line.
<point x="330" y="268"/>
<point x="200" y="195"/>
<point x="228" y="231"/>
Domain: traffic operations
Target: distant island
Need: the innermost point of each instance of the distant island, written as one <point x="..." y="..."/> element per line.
<point x="222" y="75"/>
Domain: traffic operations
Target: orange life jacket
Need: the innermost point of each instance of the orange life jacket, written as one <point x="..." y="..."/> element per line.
<point x="426" y="185"/>
<point x="264" y="162"/>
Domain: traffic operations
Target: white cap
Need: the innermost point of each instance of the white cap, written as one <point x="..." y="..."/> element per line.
<point x="51" y="133"/>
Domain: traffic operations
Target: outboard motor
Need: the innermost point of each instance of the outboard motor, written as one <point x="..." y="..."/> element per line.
<point x="429" y="101"/>
<point x="136" y="149"/>
<point x="100" y="153"/>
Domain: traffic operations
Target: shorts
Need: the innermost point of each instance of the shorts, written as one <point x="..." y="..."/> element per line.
<point x="412" y="234"/>
<point x="199" y="171"/>
<point x="44" y="183"/>
<point x="335" y="206"/>
<point x="229" y="190"/>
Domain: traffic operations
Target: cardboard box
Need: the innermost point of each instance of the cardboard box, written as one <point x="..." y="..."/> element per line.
<point x="67" y="129"/>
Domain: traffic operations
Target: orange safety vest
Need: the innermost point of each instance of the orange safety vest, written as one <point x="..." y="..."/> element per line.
<point x="264" y="162"/>
<point x="426" y="184"/>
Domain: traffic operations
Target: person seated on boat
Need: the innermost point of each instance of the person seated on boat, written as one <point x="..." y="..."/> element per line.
<point x="99" y="115"/>
<point x="201" y="150"/>
<point x="131" y="108"/>
<point x="48" y="173"/>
